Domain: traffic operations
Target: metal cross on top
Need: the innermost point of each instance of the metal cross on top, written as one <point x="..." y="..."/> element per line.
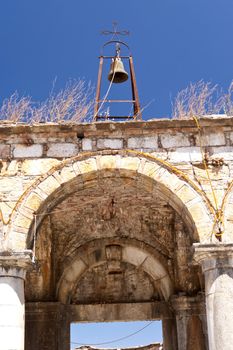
<point x="115" y="32"/>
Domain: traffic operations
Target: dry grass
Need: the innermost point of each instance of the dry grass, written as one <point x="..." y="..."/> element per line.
<point x="15" y="109"/>
<point x="228" y="101"/>
<point x="75" y="103"/>
<point x="198" y="99"/>
<point x="72" y="104"/>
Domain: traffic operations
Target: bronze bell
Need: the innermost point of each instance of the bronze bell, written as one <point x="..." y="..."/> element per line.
<point x="117" y="72"/>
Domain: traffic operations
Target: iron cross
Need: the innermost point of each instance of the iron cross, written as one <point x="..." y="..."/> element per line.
<point x="115" y="32"/>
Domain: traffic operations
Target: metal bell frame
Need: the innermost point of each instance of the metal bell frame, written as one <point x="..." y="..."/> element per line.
<point x="135" y="98"/>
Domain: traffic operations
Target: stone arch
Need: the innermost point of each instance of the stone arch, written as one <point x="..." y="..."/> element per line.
<point x="132" y="254"/>
<point x="180" y="193"/>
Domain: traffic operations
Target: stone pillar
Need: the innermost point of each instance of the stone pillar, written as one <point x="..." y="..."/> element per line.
<point x="12" y="304"/>
<point x="217" y="266"/>
<point x="47" y="326"/>
<point x="189" y="314"/>
<point x="169" y="333"/>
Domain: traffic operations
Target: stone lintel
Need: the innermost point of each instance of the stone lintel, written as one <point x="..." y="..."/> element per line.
<point x="214" y="256"/>
<point x="15" y="264"/>
<point x="119" y="312"/>
<point x="100" y="312"/>
<point x="43" y="311"/>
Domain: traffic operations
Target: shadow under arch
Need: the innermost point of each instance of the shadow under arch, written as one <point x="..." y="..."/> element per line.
<point x="58" y="183"/>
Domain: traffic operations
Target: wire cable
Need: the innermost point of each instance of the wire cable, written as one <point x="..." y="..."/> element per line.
<point x="107" y="93"/>
<point x="115" y="340"/>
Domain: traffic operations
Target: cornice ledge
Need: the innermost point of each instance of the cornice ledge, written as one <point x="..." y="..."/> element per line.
<point x="13" y="259"/>
<point x="212" y="256"/>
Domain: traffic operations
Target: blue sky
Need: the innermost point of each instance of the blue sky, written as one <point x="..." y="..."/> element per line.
<point x="104" y="334"/>
<point x="173" y="42"/>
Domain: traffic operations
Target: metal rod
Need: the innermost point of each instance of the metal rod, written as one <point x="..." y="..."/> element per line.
<point x="116" y="117"/>
<point x="108" y="57"/>
<point x="137" y="110"/>
<point x="96" y="108"/>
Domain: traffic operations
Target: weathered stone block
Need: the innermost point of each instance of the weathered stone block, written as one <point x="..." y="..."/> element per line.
<point x="4" y="151"/>
<point x="186" y="154"/>
<point x="197" y="211"/>
<point x="38" y="166"/>
<point x="10" y="168"/>
<point x="33" y="201"/>
<point x="130" y="163"/>
<point x="11" y="187"/>
<point x="87" y="144"/>
<point x="149" y="169"/>
<point x="65" y="174"/>
<point x="49" y="185"/>
<point x="213" y="139"/>
<point x="172" y="181"/>
<point x="231" y="137"/>
<point x="110" y="143"/>
<point x="150" y="142"/>
<point x="107" y="162"/>
<point x="6" y="209"/>
<point x="62" y="150"/>
<point x="23" y="151"/>
<point x="186" y="194"/>
<point x="177" y="140"/>
<point x="18" y="238"/>
<point x="85" y="166"/>
<point x="223" y="152"/>
<point x="22" y="221"/>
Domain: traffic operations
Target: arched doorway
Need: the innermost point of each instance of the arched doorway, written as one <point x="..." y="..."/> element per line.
<point x="112" y="237"/>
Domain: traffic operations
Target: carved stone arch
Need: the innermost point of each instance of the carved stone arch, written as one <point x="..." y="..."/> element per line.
<point x="130" y="254"/>
<point x="175" y="188"/>
<point x="92" y="245"/>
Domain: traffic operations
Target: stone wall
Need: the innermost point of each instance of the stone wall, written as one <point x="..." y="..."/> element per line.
<point x="161" y="136"/>
<point x="29" y="152"/>
<point x="107" y="217"/>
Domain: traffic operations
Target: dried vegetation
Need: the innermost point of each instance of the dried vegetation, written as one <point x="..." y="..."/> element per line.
<point x="202" y="98"/>
<point x="72" y="104"/>
<point x="75" y="103"/>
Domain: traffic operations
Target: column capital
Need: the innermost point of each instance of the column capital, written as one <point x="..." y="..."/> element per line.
<point x="213" y="256"/>
<point x="182" y="303"/>
<point x="15" y="264"/>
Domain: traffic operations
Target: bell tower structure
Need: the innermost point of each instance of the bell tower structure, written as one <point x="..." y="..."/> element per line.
<point x="117" y="75"/>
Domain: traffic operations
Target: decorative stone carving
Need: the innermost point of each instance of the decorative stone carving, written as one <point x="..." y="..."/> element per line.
<point x="114" y="257"/>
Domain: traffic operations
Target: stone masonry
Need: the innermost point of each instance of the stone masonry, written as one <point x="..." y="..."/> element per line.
<point x="117" y="222"/>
